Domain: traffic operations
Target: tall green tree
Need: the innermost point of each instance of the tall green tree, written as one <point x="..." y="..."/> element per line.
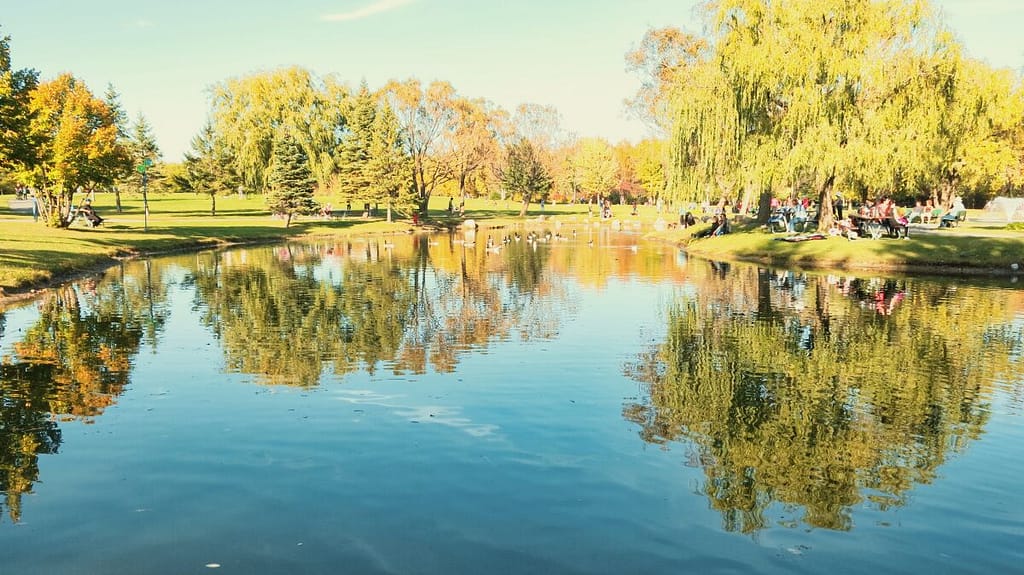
<point x="389" y="167"/>
<point x="524" y="174"/>
<point x="126" y="176"/>
<point x="16" y="86"/>
<point x="209" y="168"/>
<point x="784" y="91"/>
<point x="290" y="180"/>
<point x="952" y="128"/>
<point x="353" y="153"/>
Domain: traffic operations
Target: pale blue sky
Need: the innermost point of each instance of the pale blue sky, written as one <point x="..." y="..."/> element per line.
<point x="162" y="56"/>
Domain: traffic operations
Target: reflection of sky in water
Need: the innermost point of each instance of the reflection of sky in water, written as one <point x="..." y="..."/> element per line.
<point x="428" y="414"/>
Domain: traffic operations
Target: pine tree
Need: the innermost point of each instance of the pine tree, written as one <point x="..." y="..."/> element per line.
<point x="524" y="173"/>
<point x="120" y="119"/>
<point x="354" y="150"/>
<point x="290" y="179"/>
<point x="389" y="169"/>
<point x="209" y="168"/>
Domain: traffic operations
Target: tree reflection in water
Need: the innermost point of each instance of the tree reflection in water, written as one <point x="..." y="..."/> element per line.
<point x="283" y="314"/>
<point x="818" y="394"/>
<point x="286" y="314"/>
<point x="71" y="364"/>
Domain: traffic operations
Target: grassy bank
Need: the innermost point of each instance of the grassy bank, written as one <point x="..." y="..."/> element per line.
<point x="977" y="249"/>
<point x="32" y="255"/>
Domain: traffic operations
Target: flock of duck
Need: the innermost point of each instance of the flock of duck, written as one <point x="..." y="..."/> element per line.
<point x="531" y="238"/>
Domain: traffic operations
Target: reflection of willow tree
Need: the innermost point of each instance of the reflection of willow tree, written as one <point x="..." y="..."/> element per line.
<point x="826" y="403"/>
<point x="72" y="363"/>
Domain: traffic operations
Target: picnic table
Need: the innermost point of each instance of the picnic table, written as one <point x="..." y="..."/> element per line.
<point x="872" y="227"/>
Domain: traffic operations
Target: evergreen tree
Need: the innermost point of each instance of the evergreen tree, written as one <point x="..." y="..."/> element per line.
<point x="524" y="173"/>
<point x="143" y="144"/>
<point x="389" y="168"/>
<point x="354" y="152"/>
<point x="290" y="179"/>
<point x="126" y="176"/>
<point x="209" y="168"/>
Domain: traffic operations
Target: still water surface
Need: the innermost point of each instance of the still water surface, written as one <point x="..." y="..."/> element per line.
<point x="589" y="404"/>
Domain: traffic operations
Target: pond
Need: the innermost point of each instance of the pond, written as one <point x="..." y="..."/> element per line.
<point x="536" y="401"/>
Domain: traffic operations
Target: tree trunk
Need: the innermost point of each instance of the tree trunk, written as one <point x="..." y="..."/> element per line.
<point x="213" y="204"/>
<point x="825" y="219"/>
<point x="748" y="194"/>
<point x="288" y="220"/>
<point x="946" y="191"/>
<point x="526" y="205"/>
<point x="117" y="198"/>
<point x="764" y="207"/>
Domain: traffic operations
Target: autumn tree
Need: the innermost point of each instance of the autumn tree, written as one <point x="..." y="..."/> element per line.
<point x="650" y="157"/>
<point x="427" y="120"/>
<point x="77" y="146"/>
<point x="475" y="142"/>
<point x="595" y="167"/>
<point x="661" y="54"/>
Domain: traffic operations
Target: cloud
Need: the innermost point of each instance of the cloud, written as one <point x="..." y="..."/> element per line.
<point x="142" y="23"/>
<point x="366" y="11"/>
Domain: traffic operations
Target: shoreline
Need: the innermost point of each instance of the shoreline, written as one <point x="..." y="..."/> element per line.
<point x="758" y="251"/>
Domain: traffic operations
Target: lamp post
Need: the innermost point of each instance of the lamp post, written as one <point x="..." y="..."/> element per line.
<point x="142" y="168"/>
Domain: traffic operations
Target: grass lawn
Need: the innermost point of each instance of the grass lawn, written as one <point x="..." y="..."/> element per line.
<point x="33" y="255"/>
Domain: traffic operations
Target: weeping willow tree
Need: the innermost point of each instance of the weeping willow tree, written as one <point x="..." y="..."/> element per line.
<point x="247" y="112"/>
<point x="862" y="97"/>
<point x="951" y="124"/>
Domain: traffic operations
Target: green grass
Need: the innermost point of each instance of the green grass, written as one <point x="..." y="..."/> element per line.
<point x="33" y="255"/>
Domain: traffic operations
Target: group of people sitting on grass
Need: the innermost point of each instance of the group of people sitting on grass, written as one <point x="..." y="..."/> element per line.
<point x="719" y="226"/>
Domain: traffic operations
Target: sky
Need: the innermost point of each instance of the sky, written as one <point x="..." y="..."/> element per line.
<point x="162" y="57"/>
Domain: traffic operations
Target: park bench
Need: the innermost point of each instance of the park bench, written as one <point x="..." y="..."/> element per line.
<point x="79" y="216"/>
<point x="954" y="221"/>
<point x="20" y="206"/>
